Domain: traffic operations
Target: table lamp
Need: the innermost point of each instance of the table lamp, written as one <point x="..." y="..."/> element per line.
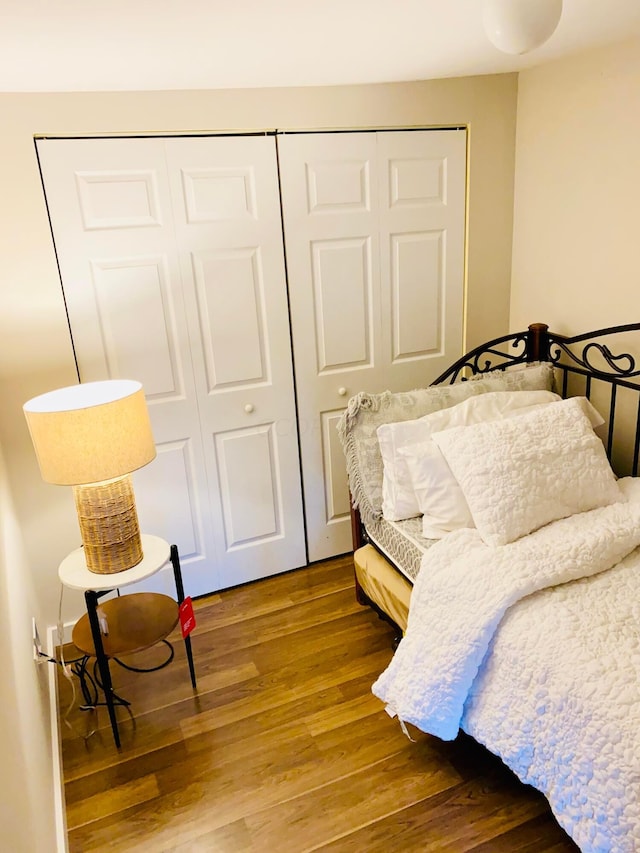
<point x="92" y="436"/>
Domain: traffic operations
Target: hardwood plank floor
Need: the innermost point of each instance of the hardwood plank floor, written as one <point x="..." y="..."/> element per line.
<point x="284" y="747"/>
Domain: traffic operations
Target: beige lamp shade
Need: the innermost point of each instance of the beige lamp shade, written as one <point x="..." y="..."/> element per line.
<point x="92" y="436"/>
<point x="90" y="432"/>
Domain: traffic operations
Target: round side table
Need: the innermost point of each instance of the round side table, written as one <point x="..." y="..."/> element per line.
<point x="131" y="622"/>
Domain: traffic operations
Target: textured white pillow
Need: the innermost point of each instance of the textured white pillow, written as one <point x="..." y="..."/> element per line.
<point x="417" y="480"/>
<point x="398" y="495"/>
<point x="520" y="473"/>
<point x="437" y="492"/>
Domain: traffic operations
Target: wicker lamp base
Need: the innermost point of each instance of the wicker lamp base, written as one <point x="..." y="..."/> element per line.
<point x="109" y="525"/>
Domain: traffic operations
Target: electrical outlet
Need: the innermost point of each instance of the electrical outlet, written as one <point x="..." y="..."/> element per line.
<point x="37" y="645"/>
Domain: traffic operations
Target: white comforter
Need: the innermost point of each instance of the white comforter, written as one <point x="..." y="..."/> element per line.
<point x="556" y="690"/>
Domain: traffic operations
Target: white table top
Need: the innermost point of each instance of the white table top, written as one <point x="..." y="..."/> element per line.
<point x="73" y="571"/>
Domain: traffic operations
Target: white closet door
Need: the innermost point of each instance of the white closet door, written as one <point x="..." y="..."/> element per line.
<point x="144" y="305"/>
<point x="228" y="228"/>
<point x="422" y="180"/>
<point x="374" y="233"/>
<point x="330" y="202"/>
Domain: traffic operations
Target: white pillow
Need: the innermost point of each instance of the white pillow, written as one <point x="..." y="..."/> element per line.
<point x="438" y="493"/>
<point x="408" y="482"/>
<point x="520" y="473"/>
<point x="398" y="495"/>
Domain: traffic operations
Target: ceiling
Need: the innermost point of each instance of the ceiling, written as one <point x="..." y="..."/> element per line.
<point x="83" y="45"/>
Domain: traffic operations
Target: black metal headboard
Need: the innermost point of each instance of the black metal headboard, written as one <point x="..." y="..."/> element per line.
<point x="598" y="365"/>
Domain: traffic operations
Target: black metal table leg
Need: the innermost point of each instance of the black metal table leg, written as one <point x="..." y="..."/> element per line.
<point x="91" y="599"/>
<point x="177" y="573"/>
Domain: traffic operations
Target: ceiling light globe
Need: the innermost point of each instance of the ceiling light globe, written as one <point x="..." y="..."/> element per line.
<point x="517" y="26"/>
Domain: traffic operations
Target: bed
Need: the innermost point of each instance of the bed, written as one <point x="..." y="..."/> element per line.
<point x="490" y="528"/>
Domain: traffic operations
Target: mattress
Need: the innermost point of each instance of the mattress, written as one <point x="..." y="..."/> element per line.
<point x="401" y="542"/>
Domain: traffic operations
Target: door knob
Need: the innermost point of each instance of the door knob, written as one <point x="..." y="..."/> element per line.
<point x="342" y="391"/>
<point x="248" y="408"/>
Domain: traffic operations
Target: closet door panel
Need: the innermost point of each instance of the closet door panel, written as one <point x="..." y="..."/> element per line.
<point x="229" y="292"/>
<point x="125" y="287"/>
<point x="250" y="488"/>
<point x="228" y="227"/>
<point x="416" y="283"/>
<point x="175" y="464"/>
<point x="335" y="473"/>
<point x="330" y="199"/>
<point x="110" y="209"/>
<point x="422" y="177"/>
<point x="374" y="235"/>
<point x="341" y="276"/>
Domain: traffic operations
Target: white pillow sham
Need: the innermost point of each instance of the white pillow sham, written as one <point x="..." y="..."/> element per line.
<point x="519" y="474"/>
<point x="398" y="496"/>
<point x="417" y="481"/>
<point x="438" y="493"/>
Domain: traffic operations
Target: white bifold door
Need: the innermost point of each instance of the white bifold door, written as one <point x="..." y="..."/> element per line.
<point x="374" y="233"/>
<point x="171" y="259"/>
<point x="173" y="264"/>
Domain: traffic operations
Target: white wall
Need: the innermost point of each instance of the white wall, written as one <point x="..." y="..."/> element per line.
<point x="577" y="192"/>
<point x="31" y="787"/>
<point x="35" y="354"/>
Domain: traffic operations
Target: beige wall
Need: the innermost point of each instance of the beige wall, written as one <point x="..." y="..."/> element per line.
<point x="35" y="353"/>
<point x="577" y="192"/>
<point x="31" y="787"/>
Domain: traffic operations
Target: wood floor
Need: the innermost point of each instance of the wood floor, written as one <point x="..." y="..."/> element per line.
<point x="284" y="748"/>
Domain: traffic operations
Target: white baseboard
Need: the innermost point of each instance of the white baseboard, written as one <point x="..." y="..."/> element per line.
<point x="62" y="845"/>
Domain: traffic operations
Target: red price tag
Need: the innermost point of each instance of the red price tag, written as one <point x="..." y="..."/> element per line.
<point x="187" y="618"/>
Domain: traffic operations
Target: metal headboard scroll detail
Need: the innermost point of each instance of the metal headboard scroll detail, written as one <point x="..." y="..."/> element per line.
<point x="622" y="365"/>
<point x="538" y="344"/>
<point x="493" y="355"/>
<point x="588" y="356"/>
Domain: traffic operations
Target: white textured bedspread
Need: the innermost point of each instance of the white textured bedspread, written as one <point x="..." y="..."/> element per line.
<point x="542" y="671"/>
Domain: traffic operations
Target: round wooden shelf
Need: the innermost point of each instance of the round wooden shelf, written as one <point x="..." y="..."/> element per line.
<point x="135" y="622"/>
